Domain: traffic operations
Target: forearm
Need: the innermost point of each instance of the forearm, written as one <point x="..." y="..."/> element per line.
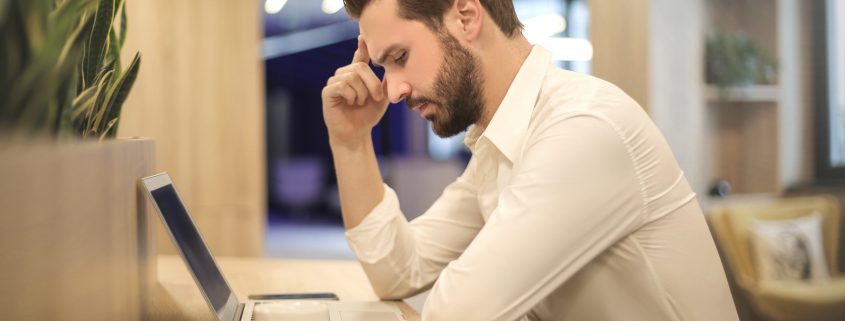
<point x="358" y="179"/>
<point x="402" y="258"/>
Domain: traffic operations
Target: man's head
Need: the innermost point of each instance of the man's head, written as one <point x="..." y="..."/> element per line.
<point x="425" y="47"/>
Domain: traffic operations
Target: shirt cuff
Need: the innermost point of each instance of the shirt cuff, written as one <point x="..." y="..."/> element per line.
<point x="373" y="238"/>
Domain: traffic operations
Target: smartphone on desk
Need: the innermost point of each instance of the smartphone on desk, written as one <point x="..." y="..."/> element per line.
<point x="294" y="296"/>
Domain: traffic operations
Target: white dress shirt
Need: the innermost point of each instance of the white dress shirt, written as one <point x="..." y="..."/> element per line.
<point x="572" y="207"/>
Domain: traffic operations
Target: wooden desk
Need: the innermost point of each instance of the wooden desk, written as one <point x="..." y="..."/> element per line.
<point x="178" y="298"/>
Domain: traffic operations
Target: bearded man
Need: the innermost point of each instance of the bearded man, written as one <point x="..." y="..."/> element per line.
<point x="572" y="206"/>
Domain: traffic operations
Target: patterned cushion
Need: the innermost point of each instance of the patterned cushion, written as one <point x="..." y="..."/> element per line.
<point x="789" y="250"/>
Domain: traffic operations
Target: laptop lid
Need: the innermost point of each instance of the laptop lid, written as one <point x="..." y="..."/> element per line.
<point x="161" y="191"/>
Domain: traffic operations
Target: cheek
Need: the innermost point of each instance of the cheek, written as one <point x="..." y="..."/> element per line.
<point x="423" y="74"/>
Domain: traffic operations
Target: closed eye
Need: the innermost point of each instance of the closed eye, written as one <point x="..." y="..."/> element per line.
<point x="401" y="59"/>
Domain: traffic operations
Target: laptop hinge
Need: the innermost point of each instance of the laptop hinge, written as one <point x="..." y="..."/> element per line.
<point x="239" y="312"/>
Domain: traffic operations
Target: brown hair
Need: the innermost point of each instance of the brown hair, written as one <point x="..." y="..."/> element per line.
<point x="431" y="12"/>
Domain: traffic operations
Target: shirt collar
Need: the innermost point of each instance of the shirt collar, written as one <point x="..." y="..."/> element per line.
<point x="510" y="122"/>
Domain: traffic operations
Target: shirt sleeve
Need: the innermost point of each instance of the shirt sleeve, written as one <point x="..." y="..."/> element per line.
<point x="404" y="258"/>
<point x="574" y="194"/>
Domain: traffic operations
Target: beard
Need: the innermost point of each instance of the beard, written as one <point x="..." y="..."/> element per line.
<point x="458" y="85"/>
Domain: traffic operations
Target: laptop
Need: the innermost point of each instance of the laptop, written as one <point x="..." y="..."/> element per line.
<point x="222" y="301"/>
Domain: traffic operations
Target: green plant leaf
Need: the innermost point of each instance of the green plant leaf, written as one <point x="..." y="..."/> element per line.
<point x="114" y="52"/>
<point x="68" y="72"/>
<point x="85" y="80"/>
<point x="109" y="129"/>
<point x="97" y="112"/>
<point x="4" y="5"/>
<point x="735" y="59"/>
<point x="35" y="25"/>
<point x="98" y="41"/>
<point x="105" y="68"/>
<point x="13" y="52"/>
<point x="83" y="102"/>
<point x="82" y="108"/>
<point x="123" y="23"/>
<point x="71" y="9"/>
<point x="121" y="90"/>
<point x="67" y="94"/>
<point x="50" y="68"/>
<point x="60" y="71"/>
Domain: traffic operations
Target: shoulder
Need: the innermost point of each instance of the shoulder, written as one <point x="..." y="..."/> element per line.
<point x="566" y="95"/>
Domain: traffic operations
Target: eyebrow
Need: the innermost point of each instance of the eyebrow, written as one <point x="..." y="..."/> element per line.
<point x="384" y="54"/>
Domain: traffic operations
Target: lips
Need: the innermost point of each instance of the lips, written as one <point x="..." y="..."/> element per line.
<point x="421" y="108"/>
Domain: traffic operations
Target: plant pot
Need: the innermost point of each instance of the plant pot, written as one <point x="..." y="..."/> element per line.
<point x="75" y="232"/>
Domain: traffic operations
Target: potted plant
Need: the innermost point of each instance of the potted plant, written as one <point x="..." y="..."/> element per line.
<point x="62" y="74"/>
<point x="735" y="60"/>
<point x="75" y="235"/>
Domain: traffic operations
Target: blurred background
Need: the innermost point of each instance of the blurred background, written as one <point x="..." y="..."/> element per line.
<point x="750" y="94"/>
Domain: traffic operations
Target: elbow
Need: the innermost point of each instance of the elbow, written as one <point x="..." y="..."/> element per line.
<point x="389" y="285"/>
<point x="465" y="306"/>
<point x="389" y="294"/>
<point x="456" y="309"/>
<point x="396" y="291"/>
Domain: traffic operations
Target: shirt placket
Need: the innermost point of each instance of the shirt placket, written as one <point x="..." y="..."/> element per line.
<point x="488" y="192"/>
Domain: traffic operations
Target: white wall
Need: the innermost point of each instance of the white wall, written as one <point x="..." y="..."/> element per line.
<point x="791" y="113"/>
<point x="676" y="57"/>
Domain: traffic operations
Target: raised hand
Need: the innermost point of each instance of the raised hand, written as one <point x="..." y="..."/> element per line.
<point x="354" y="100"/>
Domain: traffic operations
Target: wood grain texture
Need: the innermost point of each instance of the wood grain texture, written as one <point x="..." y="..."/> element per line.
<point x="619" y="31"/>
<point x="74" y="231"/>
<point x="179" y="298"/>
<point x="199" y="94"/>
<point x="745" y="138"/>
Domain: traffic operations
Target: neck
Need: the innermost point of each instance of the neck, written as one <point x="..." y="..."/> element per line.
<point x="500" y="59"/>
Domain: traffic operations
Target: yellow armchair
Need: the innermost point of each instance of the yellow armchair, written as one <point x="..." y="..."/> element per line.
<point x="782" y="301"/>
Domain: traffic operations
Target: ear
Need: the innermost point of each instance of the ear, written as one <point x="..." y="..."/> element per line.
<point x="470" y="18"/>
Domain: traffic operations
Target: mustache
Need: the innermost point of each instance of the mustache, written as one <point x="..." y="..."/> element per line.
<point x="416" y="101"/>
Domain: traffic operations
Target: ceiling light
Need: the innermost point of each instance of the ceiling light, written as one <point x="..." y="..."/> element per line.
<point x="543" y="26"/>
<point x="274" y="6"/>
<point x="332" y="6"/>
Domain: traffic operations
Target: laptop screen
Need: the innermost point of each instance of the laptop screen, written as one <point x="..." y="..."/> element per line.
<point x="189" y="241"/>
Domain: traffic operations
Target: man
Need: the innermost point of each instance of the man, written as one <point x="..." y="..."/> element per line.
<point x="572" y="206"/>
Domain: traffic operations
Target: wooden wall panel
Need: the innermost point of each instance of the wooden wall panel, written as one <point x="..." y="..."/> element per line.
<point x="200" y="95"/>
<point x="747" y="149"/>
<point x="619" y="31"/>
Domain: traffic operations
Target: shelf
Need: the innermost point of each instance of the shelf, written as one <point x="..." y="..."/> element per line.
<point x="742" y="198"/>
<point x="751" y="94"/>
<point x="710" y="203"/>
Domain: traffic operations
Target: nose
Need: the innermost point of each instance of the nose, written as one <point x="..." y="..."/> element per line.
<point x="397" y="89"/>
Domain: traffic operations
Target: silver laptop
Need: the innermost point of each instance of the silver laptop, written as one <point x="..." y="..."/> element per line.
<point x="161" y="191"/>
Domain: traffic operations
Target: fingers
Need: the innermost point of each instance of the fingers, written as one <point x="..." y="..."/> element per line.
<point x="361" y="55"/>
<point x="361" y="91"/>
<point x="366" y="75"/>
<point x="356" y="82"/>
<point x="340" y="90"/>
